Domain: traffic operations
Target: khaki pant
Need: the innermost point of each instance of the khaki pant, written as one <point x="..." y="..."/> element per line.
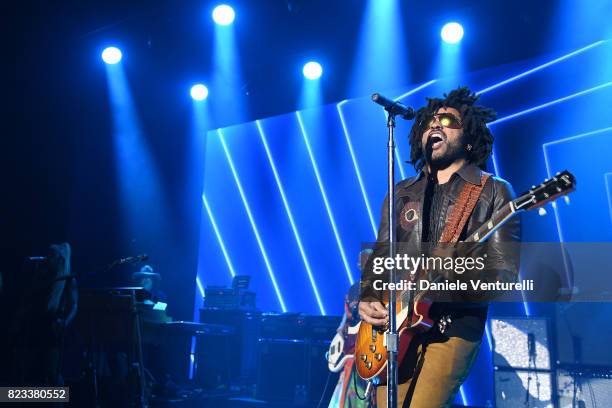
<point x="432" y="372"/>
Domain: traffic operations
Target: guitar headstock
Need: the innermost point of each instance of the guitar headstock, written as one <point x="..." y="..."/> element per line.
<point x="561" y="184"/>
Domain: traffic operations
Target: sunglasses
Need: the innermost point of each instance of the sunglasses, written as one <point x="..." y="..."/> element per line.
<point x="448" y="120"/>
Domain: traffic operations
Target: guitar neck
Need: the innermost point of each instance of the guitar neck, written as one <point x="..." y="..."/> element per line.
<point x="497" y="220"/>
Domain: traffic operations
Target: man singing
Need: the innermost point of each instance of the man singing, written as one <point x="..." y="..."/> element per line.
<point x="450" y="144"/>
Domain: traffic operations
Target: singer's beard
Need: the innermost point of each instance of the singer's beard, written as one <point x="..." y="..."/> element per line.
<point x="441" y="161"/>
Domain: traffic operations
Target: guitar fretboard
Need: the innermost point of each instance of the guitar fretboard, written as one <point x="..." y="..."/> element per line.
<point x="497" y="220"/>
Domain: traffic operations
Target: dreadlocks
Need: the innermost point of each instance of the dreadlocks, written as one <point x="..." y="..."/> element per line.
<point x="475" y="130"/>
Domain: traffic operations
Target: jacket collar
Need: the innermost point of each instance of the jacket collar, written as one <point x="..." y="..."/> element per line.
<point x="470" y="173"/>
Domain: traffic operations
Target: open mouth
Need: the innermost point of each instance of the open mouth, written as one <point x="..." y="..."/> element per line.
<point x="435" y="140"/>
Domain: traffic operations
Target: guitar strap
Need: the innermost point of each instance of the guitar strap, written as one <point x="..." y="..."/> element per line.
<point x="462" y="210"/>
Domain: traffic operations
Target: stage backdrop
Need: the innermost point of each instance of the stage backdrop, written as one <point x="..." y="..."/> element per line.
<point x="290" y="199"/>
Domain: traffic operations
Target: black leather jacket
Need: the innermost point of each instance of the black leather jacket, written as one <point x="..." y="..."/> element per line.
<point x="409" y="205"/>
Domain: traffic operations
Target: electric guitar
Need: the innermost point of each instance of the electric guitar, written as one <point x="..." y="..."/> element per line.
<point x="413" y="317"/>
<point x="341" y="350"/>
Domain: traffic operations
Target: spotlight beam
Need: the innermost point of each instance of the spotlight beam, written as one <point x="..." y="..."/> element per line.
<point x="452" y="33"/>
<point x="312" y="70"/>
<point x="112" y="55"/>
<point x="223" y="15"/>
<point x="199" y="92"/>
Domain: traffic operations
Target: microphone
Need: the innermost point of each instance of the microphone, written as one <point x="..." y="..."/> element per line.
<point x="132" y="259"/>
<point x="394" y="107"/>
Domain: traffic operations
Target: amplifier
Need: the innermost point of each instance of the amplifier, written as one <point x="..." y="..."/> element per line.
<point x="584" y="387"/>
<point x="523" y="388"/>
<point x="321" y="327"/>
<point x="228" y="298"/>
<point x="282" y="370"/>
<point x="221" y="297"/>
<point x="299" y="326"/>
<point x="318" y="372"/>
<point x="581" y="343"/>
<point x="514" y="337"/>
<point x="283" y="326"/>
<point x="242" y="357"/>
<point x="293" y="371"/>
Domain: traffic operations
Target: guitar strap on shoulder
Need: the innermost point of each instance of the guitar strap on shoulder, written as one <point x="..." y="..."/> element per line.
<point x="462" y="210"/>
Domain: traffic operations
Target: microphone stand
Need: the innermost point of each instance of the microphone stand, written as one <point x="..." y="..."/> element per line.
<point x="393" y="109"/>
<point x="391" y="338"/>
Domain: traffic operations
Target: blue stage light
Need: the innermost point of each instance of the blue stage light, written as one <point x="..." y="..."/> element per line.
<point x="223" y="15"/>
<point x="111" y="55"/>
<point x="199" y="92"/>
<point x="313" y="70"/>
<point x="452" y="33"/>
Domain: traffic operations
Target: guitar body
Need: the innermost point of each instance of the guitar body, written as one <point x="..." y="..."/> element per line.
<point x="336" y="358"/>
<point x="370" y="349"/>
<point x="341" y="349"/>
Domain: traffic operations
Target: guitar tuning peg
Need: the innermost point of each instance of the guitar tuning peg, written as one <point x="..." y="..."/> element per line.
<point x="542" y="211"/>
<point x="567" y="200"/>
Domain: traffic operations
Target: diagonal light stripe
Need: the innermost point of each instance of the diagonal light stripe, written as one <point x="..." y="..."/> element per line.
<point x="252" y="221"/>
<point x="200" y="287"/>
<point x="535" y="108"/>
<point x="400" y="163"/>
<point x="354" y="157"/>
<point x="531" y="71"/>
<point x="549" y="174"/>
<point x="498" y="174"/>
<point x="488" y="335"/>
<point x="607" y="183"/>
<point x="581" y="135"/>
<point x="356" y="166"/>
<point x="290" y="216"/>
<point x="540" y="67"/>
<point x="463" y="398"/>
<point x="554" y="102"/>
<point x="558" y="221"/>
<point x="398" y="159"/>
<point x="418" y="88"/>
<point x="525" y="302"/>
<point x="494" y="160"/>
<point x="325" y="200"/>
<point x="218" y="235"/>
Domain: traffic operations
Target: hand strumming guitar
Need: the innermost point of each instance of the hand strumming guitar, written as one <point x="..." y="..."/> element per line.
<point x="373" y="313"/>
